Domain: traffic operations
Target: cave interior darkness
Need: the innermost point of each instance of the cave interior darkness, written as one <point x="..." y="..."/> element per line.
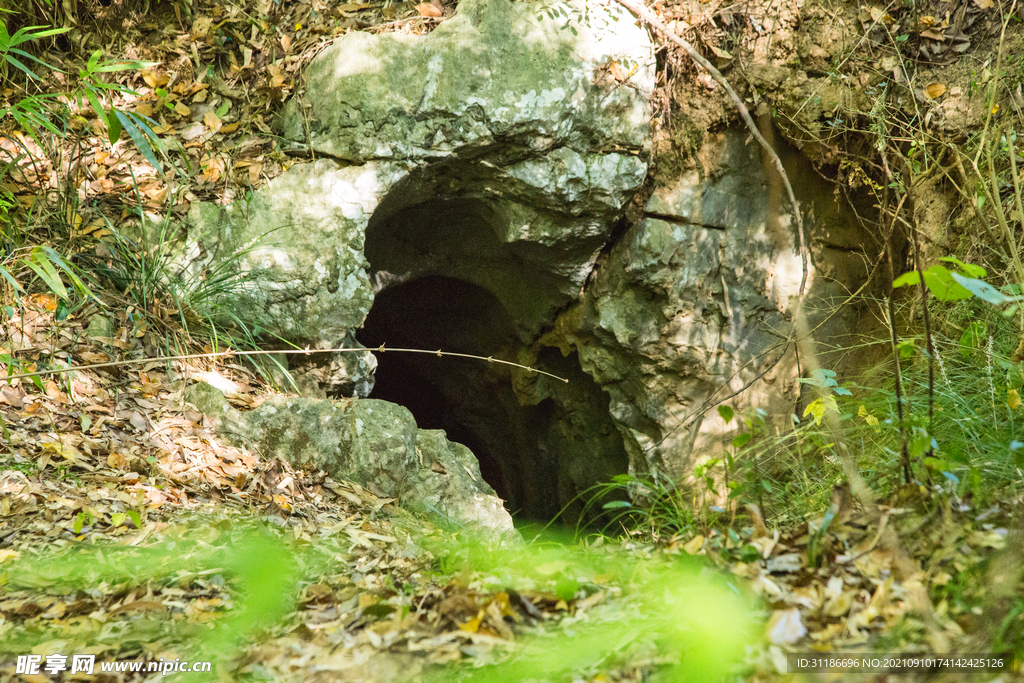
<point x="537" y="456"/>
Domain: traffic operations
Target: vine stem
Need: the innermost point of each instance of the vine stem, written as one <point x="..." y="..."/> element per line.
<point x="266" y="352"/>
<point x="649" y="17"/>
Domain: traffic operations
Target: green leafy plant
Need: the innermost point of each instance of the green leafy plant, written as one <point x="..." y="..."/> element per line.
<point x="10" y="52"/>
<point x="652" y="504"/>
<point x="93" y="90"/>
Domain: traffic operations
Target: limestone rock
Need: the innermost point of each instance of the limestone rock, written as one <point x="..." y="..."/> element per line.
<point x="498" y="150"/>
<point x="498" y="81"/>
<point x="696" y="300"/>
<point x="373" y="443"/>
<point x="299" y="242"/>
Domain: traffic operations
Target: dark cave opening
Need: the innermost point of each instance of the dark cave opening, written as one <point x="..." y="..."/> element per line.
<point x="436" y="312"/>
<point x="536" y="456"/>
<point x="453" y="271"/>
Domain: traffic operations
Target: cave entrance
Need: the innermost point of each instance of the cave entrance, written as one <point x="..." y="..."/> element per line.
<point x="536" y="457"/>
<point x="436" y="312"/>
<point x="453" y="270"/>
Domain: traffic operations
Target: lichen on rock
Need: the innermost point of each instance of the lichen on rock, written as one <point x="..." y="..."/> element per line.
<point x="373" y="443"/>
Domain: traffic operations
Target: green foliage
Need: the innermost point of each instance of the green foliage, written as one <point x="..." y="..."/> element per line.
<point x="10" y="51"/>
<point x="256" y="563"/>
<point x="699" y="624"/>
<point x="32" y="112"/>
<point x="825" y="379"/>
<point x="182" y="304"/>
<point x="972" y="336"/>
<point x="116" y="120"/>
<point x="659" y="507"/>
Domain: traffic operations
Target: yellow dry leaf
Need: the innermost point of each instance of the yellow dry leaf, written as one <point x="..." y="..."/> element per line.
<point x="427" y="10"/>
<point x="868" y="417"/>
<point x="276" y="76"/>
<point x="879" y="14"/>
<point x="53" y="391"/>
<point x="212" y="121"/>
<point x="934" y="90"/>
<point x="154" y="78"/>
<point x="1013" y="399"/>
<point x="44" y="301"/>
<point x="473" y="625"/>
<point x="720" y="53"/>
<point x="984" y="4"/>
<point x="819" y="406"/>
<point x="201" y="27"/>
<point x="617" y="71"/>
<point x="839" y="605"/>
<point x="694" y="545"/>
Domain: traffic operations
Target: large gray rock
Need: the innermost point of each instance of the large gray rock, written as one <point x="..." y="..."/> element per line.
<point x="697" y="300"/>
<point x="468" y="182"/>
<point x="498" y="149"/>
<point x="299" y="243"/>
<point x="498" y="82"/>
<point x="373" y="443"/>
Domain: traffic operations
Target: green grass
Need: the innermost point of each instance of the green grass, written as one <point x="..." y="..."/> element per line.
<point x="973" y="446"/>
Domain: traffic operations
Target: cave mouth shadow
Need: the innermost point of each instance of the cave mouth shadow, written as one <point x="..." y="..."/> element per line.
<point x="537" y="454"/>
<point x="447" y="314"/>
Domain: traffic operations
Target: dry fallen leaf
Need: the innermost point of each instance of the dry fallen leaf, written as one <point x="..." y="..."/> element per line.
<point x="154" y="78"/>
<point x="212" y="121"/>
<point x="934" y="90"/>
<point x="427" y="10"/>
<point x="138" y="421"/>
<point x="694" y="545"/>
<point x="720" y="53"/>
<point x="785" y="627"/>
<point x="617" y="71"/>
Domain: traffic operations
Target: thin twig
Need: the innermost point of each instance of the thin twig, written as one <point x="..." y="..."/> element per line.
<point x="265" y="352"/>
<point x="929" y="343"/>
<point x="904" y="451"/>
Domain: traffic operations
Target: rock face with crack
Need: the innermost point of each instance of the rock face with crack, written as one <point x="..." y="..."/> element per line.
<point x="497" y="149"/>
<point x="696" y="301"/>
